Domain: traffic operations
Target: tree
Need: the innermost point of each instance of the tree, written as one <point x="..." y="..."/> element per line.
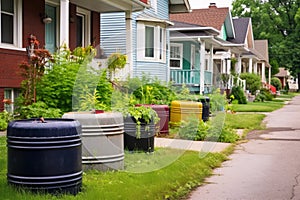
<point x="279" y="22"/>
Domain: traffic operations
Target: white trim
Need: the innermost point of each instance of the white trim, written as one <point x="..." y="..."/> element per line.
<point x="11" y="47"/>
<point x="180" y="45"/>
<point x="64" y="23"/>
<point x="86" y="26"/>
<point x="17" y="28"/>
<point x="140" y="43"/>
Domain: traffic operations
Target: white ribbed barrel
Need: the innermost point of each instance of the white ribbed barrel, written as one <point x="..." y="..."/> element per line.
<point x="102" y="139"/>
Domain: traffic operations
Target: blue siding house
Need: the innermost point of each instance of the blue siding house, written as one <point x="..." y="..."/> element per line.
<point x="143" y="36"/>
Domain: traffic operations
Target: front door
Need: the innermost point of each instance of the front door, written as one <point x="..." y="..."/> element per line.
<point x="50" y="29"/>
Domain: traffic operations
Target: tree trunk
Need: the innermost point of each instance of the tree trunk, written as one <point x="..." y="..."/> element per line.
<point x="298" y="90"/>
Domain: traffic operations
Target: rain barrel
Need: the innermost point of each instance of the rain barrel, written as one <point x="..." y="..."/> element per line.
<point x="102" y="139"/>
<point x="163" y="114"/>
<point x="146" y="140"/>
<point x="45" y="156"/>
<point x="205" y="107"/>
<point x="183" y="110"/>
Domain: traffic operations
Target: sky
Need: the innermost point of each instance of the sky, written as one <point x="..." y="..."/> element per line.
<point x="205" y="3"/>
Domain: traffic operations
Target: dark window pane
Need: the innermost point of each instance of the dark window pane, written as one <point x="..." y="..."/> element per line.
<point x="79" y="33"/>
<point x="175" y="63"/>
<point x="7" y="6"/>
<point x="7" y="29"/>
<point x="149" y="42"/>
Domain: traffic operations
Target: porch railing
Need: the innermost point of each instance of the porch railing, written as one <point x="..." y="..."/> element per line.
<point x="188" y="77"/>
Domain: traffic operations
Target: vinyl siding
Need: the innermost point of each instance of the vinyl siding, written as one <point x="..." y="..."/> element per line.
<point x="113" y="32"/>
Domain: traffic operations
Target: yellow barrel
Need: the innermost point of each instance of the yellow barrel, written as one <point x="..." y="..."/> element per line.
<point x="183" y="110"/>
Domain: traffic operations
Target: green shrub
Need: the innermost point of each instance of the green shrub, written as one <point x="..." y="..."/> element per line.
<point x="5" y="117"/>
<point x="253" y="81"/>
<point x="193" y="129"/>
<point x="39" y="109"/>
<point x="217" y="101"/>
<point x="238" y="94"/>
<point x="276" y="83"/>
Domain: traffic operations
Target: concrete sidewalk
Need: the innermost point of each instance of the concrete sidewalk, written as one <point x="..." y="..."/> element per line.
<point x="204" y="146"/>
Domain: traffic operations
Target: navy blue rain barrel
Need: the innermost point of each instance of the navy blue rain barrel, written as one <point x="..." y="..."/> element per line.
<point x="45" y="156"/>
<point x="206" y="108"/>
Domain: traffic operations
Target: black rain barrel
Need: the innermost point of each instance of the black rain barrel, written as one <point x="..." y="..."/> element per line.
<point x="45" y="156"/>
<point x="146" y="140"/>
<point x="205" y="107"/>
<point x="102" y="139"/>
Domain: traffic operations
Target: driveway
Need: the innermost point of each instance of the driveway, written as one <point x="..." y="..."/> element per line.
<point x="265" y="168"/>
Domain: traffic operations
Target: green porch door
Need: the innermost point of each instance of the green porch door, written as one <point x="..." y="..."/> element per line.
<point x="50" y="29"/>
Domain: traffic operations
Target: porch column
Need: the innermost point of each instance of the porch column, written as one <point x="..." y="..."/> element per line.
<point x="128" y="16"/>
<point x="269" y="81"/>
<point x="263" y="72"/>
<point x="228" y="64"/>
<point x="223" y="66"/>
<point x="239" y="63"/>
<point x="250" y="65"/>
<point x="211" y="58"/>
<point x="255" y="68"/>
<point x="64" y="23"/>
<point x="202" y="65"/>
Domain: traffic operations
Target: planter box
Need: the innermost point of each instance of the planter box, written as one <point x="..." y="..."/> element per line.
<point x="146" y="140"/>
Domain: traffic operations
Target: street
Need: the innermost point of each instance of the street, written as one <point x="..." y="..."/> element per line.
<point x="267" y="167"/>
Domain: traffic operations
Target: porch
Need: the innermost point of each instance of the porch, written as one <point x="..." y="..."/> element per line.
<point x="191" y="78"/>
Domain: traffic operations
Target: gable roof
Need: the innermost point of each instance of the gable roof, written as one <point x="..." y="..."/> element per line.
<point x="262" y="47"/>
<point x="210" y="17"/>
<point x="241" y="28"/>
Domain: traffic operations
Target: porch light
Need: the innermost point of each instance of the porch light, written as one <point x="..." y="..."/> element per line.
<point x="46" y="19"/>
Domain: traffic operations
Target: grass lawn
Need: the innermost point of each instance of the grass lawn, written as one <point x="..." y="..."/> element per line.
<point x="244" y="121"/>
<point x="267" y="106"/>
<point x="164" y="174"/>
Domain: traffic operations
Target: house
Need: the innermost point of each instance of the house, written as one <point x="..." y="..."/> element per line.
<point x="215" y="49"/>
<point x="256" y="59"/>
<point x="143" y="36"/>
<point x="54" y="22"/>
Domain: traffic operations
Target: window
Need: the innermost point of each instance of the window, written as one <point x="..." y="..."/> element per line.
<point x="151" y="43"/>
<point x="11" y="95"/>
<point x="83" y="28"/>
<point x="176" y="56"/>
<point x="10" y="33"/>
<point x="193" y="56"/>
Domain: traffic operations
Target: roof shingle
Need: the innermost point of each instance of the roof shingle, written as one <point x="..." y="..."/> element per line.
<point x="211" y="17"/>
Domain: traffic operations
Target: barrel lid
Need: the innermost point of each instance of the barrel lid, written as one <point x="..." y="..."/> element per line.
<point x="90" y="118"/>
<point x="48" y="128"/>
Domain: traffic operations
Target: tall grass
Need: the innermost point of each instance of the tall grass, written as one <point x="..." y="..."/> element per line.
<point x="181" y="172"/>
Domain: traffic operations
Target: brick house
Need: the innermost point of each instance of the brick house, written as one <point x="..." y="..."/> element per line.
<point x="73" y="22"/>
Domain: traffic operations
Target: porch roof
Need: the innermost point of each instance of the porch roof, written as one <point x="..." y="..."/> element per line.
<point x="179" y="6"/>
<point x="111" y="5"/>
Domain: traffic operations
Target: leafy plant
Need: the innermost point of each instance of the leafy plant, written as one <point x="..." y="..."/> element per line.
<point x="33" y="70"/>
<point x="238" y="94"/>
<point x="142" y="114"/>
<point x="90" y="101"/>
<point x="253" y="82"/>
<point x="116" y="61"/>
<point x="276" y="83"/>
<point x="5" y="117"/>
<point x="39" y="109"/>
<point x="217" y="101"/>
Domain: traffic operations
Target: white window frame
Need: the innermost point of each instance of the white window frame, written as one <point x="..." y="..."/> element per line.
<point x="17" y="33"/>
<point x="158" y="44"/>
<point x="180" y="45"/>
<point x="86" y="14"/>
<point x="193" y="57"/>
<point x="10" y="108"/>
